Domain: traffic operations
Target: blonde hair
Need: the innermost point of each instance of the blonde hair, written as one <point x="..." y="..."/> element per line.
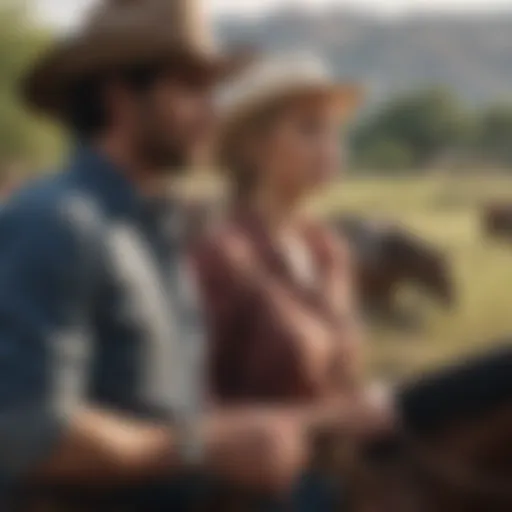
<point x="232" y="147"/>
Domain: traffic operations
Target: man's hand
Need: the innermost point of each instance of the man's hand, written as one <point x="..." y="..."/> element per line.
<point x="261" y="450"/>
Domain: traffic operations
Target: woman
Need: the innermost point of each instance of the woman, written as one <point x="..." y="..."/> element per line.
<point x="278" y="286"/>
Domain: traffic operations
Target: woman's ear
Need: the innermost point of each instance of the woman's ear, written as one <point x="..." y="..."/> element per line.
<point x="253" y="150"/>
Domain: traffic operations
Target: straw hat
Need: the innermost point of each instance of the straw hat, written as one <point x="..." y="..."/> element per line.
<point x="125" y="32"/>
<point x="264" y="86"/>
<point x="278" y="80"/>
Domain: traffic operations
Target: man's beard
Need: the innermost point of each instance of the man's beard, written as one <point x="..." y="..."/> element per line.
<point x="166" y="159"/>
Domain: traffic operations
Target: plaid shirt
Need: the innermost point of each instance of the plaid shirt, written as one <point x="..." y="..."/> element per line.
<point x="273" y="337"/>
<point x="93" y="308"/>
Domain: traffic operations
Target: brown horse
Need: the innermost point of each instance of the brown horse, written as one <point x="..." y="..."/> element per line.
<point x="497" y="221"/>
<point x="389" y="256"/>
<point x="454" y="449"/>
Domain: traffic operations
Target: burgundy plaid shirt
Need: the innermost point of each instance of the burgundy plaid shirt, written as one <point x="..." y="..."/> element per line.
<point x="272" y="337"/>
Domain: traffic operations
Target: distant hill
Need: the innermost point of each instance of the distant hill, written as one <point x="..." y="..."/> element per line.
<point x="469" y="54"/>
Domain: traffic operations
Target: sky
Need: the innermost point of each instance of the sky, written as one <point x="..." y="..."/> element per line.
<point x="66" y="13"/>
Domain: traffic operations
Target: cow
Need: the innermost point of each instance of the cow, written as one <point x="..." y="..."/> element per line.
<point x="497" y="221"/>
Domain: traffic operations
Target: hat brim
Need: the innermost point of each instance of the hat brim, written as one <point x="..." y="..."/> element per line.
<point x="46" y="84"/>
<point x="344" y="98"/>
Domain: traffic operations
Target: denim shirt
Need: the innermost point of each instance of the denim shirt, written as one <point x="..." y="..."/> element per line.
<point x="93" y="310"/>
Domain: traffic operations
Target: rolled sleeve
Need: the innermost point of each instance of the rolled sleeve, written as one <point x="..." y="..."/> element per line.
<point x="42" y="332"/>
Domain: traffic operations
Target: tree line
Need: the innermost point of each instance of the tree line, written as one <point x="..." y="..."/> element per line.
<point x="423" y="129"/>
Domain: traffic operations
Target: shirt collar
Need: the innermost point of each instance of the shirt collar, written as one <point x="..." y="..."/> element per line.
<point x="107" y="181"/>
<point x="120" y="198"/>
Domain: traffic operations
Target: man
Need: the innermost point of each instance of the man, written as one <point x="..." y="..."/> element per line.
<point x="98" y="386"/>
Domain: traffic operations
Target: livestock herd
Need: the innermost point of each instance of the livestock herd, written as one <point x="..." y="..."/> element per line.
<point x="390" y="257"/>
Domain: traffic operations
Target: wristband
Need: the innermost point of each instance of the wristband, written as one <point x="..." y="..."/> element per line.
<point x="190" y="443"/>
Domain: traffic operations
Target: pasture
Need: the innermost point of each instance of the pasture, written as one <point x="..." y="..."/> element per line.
<point x="446" y="210"/>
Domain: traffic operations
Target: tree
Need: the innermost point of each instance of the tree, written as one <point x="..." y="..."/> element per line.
<point x="22" y="137"/>
<point x="424" y="124"/>
<point x="495" y="134"/>
<point x="385" y="154"/>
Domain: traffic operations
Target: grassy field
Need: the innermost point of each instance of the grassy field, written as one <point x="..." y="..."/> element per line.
<point x="447" y="211"/>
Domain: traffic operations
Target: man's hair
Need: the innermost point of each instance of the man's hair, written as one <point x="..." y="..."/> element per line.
<point x="86" y="111"/>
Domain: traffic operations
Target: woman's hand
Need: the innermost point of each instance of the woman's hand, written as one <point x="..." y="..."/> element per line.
<point x="262" y="450"/>
<point x="373" y="413"/>
<point x="362" y="416"/>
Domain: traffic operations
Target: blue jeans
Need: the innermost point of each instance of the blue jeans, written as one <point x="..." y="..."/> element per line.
<point x="315" y="493"/>
<point x="179" y="495"/>
<point x="312" y="493"/>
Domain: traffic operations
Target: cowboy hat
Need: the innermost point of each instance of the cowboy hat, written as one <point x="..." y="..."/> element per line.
<point x="278" y="80"/>
<point x="123" y="33"/>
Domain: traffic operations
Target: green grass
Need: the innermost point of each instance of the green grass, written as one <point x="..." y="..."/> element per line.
<point x="446" y="211"/>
